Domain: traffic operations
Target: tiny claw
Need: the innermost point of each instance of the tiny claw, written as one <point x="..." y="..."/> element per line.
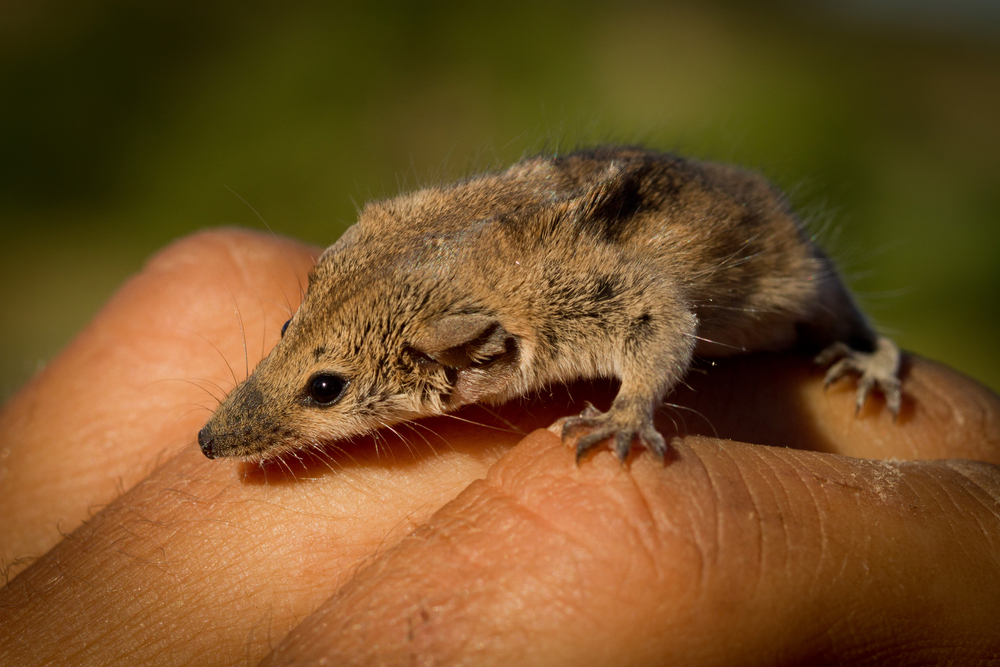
<point x="893" y="396"/>
<point x="832" y="353"/>
<point x="837" y="371"/>
<point x="571" y="424"/>
<point x="623" y="443"/>
<point x="865" y="384"/>
<point x="655" y="443"/>
<point x="588" y="442"/>
<point x="890" y="393"/>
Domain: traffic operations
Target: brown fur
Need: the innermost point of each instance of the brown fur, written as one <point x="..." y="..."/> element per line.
<point x="615" y="262"/>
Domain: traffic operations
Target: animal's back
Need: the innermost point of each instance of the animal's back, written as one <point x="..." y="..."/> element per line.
<point x="554" y="230"/>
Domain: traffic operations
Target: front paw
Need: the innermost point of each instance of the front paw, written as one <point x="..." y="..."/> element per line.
<point x="601" y="426"/>
<point x="879" y="368"/>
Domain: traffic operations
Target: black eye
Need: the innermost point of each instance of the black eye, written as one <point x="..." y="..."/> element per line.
<point x="326" y="389"/>
<point x="284" y="328"/>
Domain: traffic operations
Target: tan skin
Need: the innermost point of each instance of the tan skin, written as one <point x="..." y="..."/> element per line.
<point x="481" y="541"/>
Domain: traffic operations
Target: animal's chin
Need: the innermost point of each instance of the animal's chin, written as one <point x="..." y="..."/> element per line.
<point x="270" y="453"/>
<point x="314" y="444"/>
<point x="298" y="449"/>
<point x="260" y="458"/>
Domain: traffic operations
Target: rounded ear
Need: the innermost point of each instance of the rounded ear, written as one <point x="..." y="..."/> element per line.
<point x="478" y="353"/>
<point x="457" y="341"/>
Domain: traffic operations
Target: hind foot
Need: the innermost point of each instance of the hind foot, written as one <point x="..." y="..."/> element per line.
<point x="879" y="368"/>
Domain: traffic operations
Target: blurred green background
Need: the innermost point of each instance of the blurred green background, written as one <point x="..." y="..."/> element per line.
<point x="124" y="125"/>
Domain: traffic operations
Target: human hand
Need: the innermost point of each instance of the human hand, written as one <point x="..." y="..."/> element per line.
<point x="464" y="541"/>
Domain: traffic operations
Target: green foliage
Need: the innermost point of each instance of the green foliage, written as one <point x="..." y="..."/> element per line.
<point x="125" y="125"/>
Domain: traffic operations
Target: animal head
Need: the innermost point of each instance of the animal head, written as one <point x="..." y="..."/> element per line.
<point x="380" y="337"/>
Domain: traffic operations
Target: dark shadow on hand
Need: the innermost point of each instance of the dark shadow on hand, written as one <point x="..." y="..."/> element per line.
<point x="754" y="398"/>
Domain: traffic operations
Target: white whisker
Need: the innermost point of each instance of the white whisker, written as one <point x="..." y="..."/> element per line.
<point x="715" y="342"/>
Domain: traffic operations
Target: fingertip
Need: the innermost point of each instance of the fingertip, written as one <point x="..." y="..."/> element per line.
<point x="138" y="380"/>
<point x="782" y="401"/>
<point x="241" y="246"/>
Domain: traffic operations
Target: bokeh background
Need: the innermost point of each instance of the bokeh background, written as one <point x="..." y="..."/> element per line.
<point x="125" y="125"/>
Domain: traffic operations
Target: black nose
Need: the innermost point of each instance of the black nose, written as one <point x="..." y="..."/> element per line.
<point x="205" y="440"/>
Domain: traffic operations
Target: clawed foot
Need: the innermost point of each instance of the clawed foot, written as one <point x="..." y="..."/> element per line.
<point x="876" y="369"/>
<point x="612" y="424"/>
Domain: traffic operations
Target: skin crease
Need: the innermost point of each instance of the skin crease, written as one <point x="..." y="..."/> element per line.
<point x="473" y="544"/>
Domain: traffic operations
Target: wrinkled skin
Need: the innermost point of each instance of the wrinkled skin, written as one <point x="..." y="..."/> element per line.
<point x="476" y="544"/>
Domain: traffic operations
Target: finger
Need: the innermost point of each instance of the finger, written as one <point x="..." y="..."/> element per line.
<point x="390" y="513"/>
<point x="779" y="400"/>
<point x="138" y="382"/>
<point x="731" y="554"/>
<point x="212" y="562"/>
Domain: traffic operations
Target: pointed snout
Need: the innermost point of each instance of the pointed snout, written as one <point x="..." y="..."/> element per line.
<point x="206" y="441"/>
